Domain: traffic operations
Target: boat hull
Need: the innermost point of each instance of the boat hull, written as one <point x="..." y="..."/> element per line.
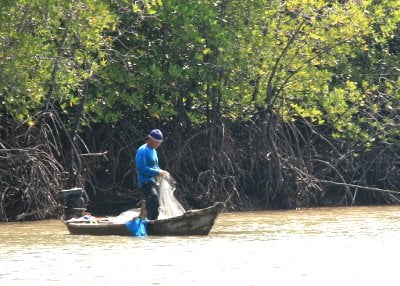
<point x="195" y="222"/>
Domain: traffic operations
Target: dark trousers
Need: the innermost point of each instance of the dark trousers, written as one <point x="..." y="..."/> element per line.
<point x="149" y="191"/>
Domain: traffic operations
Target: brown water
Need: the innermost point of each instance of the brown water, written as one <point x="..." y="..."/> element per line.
<point x="328" y="246"/>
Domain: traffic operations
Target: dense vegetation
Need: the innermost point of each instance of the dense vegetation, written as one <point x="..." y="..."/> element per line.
<point x="264" y="104"/>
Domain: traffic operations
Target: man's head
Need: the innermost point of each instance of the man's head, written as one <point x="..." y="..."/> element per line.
<point x="155" y="138"/>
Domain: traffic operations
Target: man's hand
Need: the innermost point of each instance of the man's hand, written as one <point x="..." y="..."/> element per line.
<point x="163" y="173"/>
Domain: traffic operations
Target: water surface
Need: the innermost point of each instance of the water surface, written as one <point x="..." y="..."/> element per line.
<point x="324" y="246"/>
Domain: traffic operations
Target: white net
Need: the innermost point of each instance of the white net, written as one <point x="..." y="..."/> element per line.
<point x="169" y="205"/>
<point x="126" y="216"/>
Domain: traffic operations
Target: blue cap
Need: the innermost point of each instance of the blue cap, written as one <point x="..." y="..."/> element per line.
<point x="156" y="135"/>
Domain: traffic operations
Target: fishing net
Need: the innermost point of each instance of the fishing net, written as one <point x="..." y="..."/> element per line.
<point x="169" y="205"/>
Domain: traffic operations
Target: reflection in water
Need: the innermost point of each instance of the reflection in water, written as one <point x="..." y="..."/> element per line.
<point x="328" y="246"/>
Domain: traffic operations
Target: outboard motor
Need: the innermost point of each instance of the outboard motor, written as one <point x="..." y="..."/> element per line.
<point x="74" y="202"/>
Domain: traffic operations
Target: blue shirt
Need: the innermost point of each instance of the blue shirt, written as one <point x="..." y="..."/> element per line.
<point x="147" y="168"/>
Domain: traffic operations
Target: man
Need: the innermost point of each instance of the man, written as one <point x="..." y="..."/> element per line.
<point x="147" y="170"/>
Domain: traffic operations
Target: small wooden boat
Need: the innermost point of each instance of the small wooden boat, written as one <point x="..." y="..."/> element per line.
<point x="193" y="222"/>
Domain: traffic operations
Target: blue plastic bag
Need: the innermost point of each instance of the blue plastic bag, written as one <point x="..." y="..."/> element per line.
<point x="137" y="227"/>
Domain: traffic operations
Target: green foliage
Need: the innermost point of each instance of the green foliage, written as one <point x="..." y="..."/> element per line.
<point x="302" y="59"/>
<point x="163" y="69"/>
<point x="48" y="50"/>
<point x="197" y="62"/>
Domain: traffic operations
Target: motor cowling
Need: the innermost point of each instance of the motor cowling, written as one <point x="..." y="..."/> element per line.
<point x="74" y="202"/>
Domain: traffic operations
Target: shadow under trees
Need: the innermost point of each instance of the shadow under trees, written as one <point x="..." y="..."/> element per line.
<point x="262" y="163"/>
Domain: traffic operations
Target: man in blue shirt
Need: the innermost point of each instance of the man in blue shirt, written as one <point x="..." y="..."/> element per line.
<point x="147" y="170"/>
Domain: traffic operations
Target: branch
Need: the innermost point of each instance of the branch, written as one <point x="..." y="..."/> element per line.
<point x="359" y="187"/>
<point x="94" y="154"/>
